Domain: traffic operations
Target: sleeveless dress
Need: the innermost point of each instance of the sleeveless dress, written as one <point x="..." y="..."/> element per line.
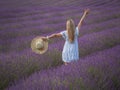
<point x="70" y="50"/>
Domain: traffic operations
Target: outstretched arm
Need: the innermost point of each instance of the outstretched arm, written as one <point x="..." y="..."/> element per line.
<point x="81" y="20"/>
<point x="52" y="36"/>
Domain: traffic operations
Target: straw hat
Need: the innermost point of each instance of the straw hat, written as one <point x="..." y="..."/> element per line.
<point x="39" y="45"/>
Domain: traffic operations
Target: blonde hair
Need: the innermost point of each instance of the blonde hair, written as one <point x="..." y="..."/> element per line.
<point x="70" y="29"/>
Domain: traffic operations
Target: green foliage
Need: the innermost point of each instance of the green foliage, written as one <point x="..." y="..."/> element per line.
<point x="55" y="56"/>
<point x="4" y="81"/>
<point x="77" y="83"/>
<point x="116" y="82"/>
<point x="97" y="76"/>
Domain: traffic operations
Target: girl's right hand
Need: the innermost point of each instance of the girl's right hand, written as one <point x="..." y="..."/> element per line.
<point x="87" y="11"/>
<point x="44" y="38"/>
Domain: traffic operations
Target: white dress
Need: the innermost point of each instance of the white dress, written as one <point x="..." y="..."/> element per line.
<point x="70" y="50"/>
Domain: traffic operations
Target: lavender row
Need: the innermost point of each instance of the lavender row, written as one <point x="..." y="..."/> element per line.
<point x="32" y="62"/>
<point x="21" y="44"/>
<point x="55" y="27"/>
<point x="22" y="63"/>
<point x="93" y="42"/>
<point x="84" y="30"/>
<point x="60" y="24"/>
<point x="50" y="18"/>
<point x="37" y="3"/>
<point x="15" y="67"/>
<point x="101" y="40"/>
<point x="98" y="71"/>
<point x="34" y="9"/>
<point x="37" y="13"/>
<point x="85" y="3"/>
<point x="80" y="3"/>
<point x="93" y="21"/>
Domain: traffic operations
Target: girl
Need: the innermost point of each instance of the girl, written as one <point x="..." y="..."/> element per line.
<point x="70" y="51"/>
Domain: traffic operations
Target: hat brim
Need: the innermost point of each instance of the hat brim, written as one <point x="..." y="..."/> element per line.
<point x="35" y="49"/>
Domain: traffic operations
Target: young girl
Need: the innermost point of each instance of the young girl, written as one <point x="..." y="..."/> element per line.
<point x="70" y="51"/>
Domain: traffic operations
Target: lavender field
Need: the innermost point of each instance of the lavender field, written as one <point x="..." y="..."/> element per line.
<point x="99" y="45"/>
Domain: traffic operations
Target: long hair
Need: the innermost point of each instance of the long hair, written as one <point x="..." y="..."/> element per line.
<point x="70" y="29"/>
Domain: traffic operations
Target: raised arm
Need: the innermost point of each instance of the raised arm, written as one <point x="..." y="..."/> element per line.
<point x="81" y="20"/>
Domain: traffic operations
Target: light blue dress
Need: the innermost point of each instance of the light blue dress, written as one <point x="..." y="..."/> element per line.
<point x="70" y="50"/>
